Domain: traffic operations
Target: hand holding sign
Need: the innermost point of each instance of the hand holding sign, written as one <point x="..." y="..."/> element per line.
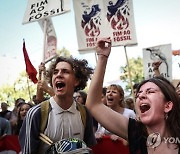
<point x="103" y="47"/>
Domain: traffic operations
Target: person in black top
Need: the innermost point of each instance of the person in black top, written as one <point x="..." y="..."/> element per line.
<point x="157" y="104"/>
<point x="5" y="113"/>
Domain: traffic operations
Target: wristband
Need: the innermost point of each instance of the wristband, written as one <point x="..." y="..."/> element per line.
<point x="103" y="55"/>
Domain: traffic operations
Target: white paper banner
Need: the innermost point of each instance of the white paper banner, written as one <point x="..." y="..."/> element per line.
<point x="51" y="39"/>
<point x="104" y="18"/>
<point x="158" y="53"/>
<point x="39" y="9"/>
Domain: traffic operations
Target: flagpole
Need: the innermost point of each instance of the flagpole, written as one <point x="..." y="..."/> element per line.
<point x="129" y="74"/>
<point x="29" y="90"/>
<point x="44" y="41"/>
<point x="42" y="75"/>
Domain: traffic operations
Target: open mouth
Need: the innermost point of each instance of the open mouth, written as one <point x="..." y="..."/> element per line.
<point x="110" y="99"/>
<point x="60" y="85"/>
<point x="144" y="107"/>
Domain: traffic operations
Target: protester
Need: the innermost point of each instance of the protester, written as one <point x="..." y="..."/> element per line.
<point x="34" y="100"/>
<point x="135" y="88"/>
<point x="103" y="98"/>
<point x="156" y="65"/>
<point x="5" y="127"/>
<point x="129" y="102"/>
<point x="44" y="91"/>
<point x="80" y="97"/>
<point x="17" y="103"/>
<point x="115" y="101"/>
<point x="64" y="116"/>
<point x="5" y="113"/>
<point x="157" y="104"/>
<point x="22" y="111"/>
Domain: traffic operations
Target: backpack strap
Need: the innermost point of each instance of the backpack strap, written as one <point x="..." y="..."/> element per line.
<point x="45" y="110"/>
<point x="82" y="111"/>
<point x="44" y="114"/>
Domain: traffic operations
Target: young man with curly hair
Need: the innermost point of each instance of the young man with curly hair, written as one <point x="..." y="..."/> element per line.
<point x="66" y="76"/>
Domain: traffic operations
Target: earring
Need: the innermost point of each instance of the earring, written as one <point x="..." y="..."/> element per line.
<point x="166" y="116"/>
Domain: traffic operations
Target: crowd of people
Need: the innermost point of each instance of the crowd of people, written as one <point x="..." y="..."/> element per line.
<point x="13" y="119"/>
<point x="64" y="112"/>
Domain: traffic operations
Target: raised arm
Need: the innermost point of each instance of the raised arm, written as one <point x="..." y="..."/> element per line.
<point x="156" y="68"/>
<point x="42" y="85"/>
<point x="111" y="120"/>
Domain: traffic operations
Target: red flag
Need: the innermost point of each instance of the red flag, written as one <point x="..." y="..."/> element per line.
<point x="31" y="71"/>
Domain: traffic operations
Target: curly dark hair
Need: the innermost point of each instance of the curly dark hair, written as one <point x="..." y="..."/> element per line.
<point x="80" y="67"/>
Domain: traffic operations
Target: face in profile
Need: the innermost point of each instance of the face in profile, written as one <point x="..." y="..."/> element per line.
<point x="80" y="97"/>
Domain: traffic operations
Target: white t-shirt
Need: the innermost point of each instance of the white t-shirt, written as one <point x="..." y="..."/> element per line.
<point x="127" y="113"/>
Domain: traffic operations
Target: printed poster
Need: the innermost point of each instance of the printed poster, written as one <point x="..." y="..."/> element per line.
<point x="104" y="18"/>
<point x="161" y="53"/>
<point x="39" y="9"/>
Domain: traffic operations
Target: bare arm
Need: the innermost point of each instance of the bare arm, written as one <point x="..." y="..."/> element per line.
<point x="111" y="120"/>
<point x="42" y="85"/>
<point x="156" y="67"/>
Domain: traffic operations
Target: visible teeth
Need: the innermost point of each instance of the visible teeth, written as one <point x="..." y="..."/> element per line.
<point x="143" y="104"/>
<point x="106" y="44"/>
<point x="144" y="107"/>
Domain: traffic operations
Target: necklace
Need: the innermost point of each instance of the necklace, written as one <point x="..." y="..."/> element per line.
<point x="153" y="140"/>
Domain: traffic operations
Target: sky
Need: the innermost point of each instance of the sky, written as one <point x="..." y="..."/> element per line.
<point x="156" y="21"/>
